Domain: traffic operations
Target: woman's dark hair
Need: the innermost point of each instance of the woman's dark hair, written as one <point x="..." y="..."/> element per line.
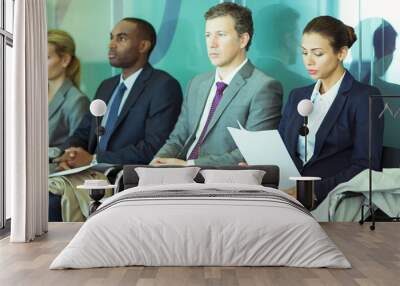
<point x="339" y="34"/>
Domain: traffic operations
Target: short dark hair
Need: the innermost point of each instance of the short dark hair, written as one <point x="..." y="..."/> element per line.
<point x="384" y="39"/>
<point x="147" y="31"/>
<point x="339" y="34"/>
<point x="241" y="15"/>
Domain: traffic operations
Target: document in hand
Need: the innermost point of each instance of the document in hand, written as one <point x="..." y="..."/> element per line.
<point x="266" y="148"/>
<point x="101" y="167"/>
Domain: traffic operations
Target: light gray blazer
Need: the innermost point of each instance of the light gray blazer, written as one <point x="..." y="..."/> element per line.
<point x="252" y="98"/>
<point x="66" y="111"/>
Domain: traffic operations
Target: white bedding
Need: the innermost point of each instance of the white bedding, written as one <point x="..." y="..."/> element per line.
<point x="265" y="229"/>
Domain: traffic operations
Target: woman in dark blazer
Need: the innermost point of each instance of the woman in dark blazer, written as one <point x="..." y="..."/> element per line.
<point x="338" y="126"/>
<point x="67" y="104"/>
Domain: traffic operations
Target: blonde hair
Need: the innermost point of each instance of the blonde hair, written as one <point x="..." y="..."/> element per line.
<point x="64" y="44"/>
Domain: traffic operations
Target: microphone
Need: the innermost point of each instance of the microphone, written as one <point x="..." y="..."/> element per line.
<point x="304" y="108"/>
<point x="98" y="108"/>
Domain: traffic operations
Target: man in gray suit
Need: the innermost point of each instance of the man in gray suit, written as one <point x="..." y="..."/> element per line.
<point x="235" y="92"/>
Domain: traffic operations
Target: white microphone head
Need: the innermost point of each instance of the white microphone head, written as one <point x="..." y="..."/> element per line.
<point x="305" y="107"/>
<point x="98" y="107"/>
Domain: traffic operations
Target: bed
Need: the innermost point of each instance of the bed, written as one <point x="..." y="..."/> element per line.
<point x="201" y="224"/>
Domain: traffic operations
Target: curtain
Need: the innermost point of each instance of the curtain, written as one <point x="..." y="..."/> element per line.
<point x="26" y="124"/>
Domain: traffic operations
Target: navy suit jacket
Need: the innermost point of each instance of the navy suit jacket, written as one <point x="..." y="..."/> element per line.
<point x="341" y="142"/>
<point x="145" y="122"/>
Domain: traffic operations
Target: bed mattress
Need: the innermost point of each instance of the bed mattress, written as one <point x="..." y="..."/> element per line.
<point x="201" y="225"/>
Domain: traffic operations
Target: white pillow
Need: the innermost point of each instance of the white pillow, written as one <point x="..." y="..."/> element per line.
<point x="166" y="176"/>
<point x="248" y="177"/>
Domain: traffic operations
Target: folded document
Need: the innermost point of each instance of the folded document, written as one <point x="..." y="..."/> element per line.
<point x="266" y="148"/>
<point x="101" y="167"/>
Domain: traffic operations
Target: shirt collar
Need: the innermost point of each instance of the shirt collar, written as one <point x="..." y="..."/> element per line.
<point x="130" y="80"/>
<point x="229" y="78"/>
<point x="332" y="92"/>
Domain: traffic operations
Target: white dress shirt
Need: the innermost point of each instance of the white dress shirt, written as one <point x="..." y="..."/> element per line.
<point x="322" y="103"/>
<point x="129" y="82"/>
<point x="209" y="101"/>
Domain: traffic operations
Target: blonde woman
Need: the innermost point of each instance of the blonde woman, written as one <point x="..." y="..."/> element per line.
<point x="67" y="104"/>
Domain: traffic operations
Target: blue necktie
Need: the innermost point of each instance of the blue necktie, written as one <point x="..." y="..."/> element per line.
<point x="112" y="117"/>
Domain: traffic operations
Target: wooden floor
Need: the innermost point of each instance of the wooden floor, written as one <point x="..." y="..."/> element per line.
<point x="374" y="255"/>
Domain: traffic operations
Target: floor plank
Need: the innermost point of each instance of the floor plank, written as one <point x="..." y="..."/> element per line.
<point x="374" y="255"/>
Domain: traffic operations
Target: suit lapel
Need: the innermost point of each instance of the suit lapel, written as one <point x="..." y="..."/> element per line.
<point x="231" y="91"/>
<point x="134" y="94"/>
<point x="333" y="113"/>
<point x="203" y="91"/>
<point x="107" y="91"/>
<point x="59" y="97"/>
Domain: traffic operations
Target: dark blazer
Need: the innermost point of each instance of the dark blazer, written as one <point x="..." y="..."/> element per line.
<point x="145" y="122"/>
<point x="341" y="142"/>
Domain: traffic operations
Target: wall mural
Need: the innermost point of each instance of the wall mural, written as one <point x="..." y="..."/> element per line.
<point x="275" y="50"/>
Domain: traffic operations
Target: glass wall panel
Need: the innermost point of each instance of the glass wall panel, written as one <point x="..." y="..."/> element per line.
<point x="2" y="195"/>
<point x="180" y="26"/>
<point x="9" y="12"/>
<point x="275" y="48"/>
<point x="375" y="58"/>
<point x="1" y="15"/>
<point x="6" y="29"/>
<point x="7" y="85"/>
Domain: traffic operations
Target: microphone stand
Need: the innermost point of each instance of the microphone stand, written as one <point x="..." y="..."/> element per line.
<point x="100" y="130"/>
<point x="305" y="186"/>
<point x="98" y="108"/>
<point x="304" y="132"/>
<point x="305" y="138"/>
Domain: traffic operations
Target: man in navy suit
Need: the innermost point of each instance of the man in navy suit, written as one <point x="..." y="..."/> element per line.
<point x="147" y="111"/>
<point x="143" y="105"/>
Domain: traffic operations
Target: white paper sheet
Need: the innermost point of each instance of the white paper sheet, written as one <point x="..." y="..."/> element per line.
<point x="266" y="148"/>
<point x="101" y="167"/>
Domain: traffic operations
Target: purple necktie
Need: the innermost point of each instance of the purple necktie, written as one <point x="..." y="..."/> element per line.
<point x="217" y="98"/>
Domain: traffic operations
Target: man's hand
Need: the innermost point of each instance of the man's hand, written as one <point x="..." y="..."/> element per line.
<point x="63" y="165"/>
<point x="72" y="158"/>
<point x="167" y="161"/>
<point x="78" y="157"/>
<point x="62" y="162"/>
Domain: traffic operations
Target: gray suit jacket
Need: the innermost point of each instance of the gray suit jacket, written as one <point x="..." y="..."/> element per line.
<point x="252" y="98"/>
<point x="66" y="111"/>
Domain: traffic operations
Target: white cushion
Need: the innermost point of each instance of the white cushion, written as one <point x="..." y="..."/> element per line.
<point x="166" y="176"/>
<point x="248" y="177"/>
